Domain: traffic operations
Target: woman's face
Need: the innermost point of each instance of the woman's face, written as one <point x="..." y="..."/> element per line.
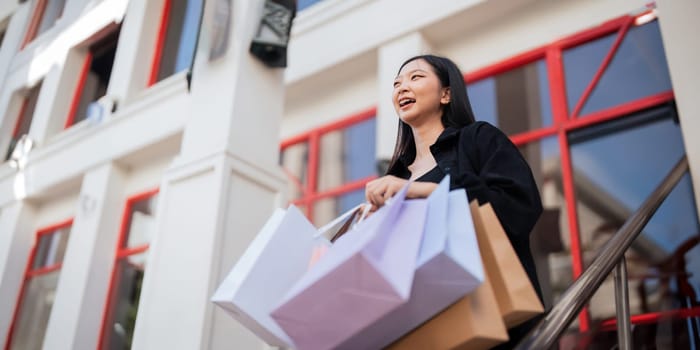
<point x="418" y="94"/>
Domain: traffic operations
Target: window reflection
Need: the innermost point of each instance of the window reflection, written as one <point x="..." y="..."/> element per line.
<point x="550" y="238"/>
<point x="516" y="101"/>
<point x="35" y="309"/>
<point x="637" y="70"/>
<point x="616" y="166"/>
<point x="142" y="222"/>
<point x="129" y="276"/>
<point x="295" y="160"/>
<point x="347" y="155"/>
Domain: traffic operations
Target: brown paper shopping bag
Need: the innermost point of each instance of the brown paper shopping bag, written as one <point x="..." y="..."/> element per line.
<point x="473" y="323"/>
<point x="517" y="299"/>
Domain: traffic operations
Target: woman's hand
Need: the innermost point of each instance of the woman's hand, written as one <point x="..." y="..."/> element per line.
<point x="379" y="190"/>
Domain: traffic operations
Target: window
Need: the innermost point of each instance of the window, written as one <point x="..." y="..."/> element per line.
<point x="303" y="4"/>
<point x="329" y="167"/>
<point x="39" y="287"/>
<point x="46" y="13"/>
<point x="177" y="38"/>
<point x="24" y="118"/>
<point x="593" y="114"/>
<point x="94" y="78"/>
<point x="122" y="305"/>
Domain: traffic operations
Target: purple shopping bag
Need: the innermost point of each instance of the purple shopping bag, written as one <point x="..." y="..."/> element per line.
<point x="365" y="274"/>
<point x="448" y="267"/>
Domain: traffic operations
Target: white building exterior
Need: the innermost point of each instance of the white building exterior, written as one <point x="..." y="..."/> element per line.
<point x="209" y="150"/>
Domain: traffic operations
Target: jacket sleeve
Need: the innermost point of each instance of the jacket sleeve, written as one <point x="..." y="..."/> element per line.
<point x="501" y="177"/>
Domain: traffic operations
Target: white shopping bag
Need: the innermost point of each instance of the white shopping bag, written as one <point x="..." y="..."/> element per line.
<point x="272" y="263"/>
<point x="365" y="274"/>
<point x="448" y="267"/>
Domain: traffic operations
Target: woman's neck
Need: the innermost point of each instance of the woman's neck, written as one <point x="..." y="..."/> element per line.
<point x="425" y="136"/>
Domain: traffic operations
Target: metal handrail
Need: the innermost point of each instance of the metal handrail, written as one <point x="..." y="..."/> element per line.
<point x="550" y="328"/>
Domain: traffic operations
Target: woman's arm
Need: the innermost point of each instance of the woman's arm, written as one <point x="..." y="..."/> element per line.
<point x="379" y="190"/>
<point x="503" y="178"/>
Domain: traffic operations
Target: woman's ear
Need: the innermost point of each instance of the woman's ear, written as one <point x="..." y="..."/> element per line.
<point x="445" y="98"/>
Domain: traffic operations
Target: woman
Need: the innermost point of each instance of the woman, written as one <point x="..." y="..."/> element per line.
<point x="438" y="136"/>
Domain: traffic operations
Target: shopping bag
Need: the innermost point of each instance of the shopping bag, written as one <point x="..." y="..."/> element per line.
<point x="272" y="263"/>
<point x="517" y="299"/>
<point x="448" y="267"/>
<point x="472" y="323"/>
<point x="365" y="274"/>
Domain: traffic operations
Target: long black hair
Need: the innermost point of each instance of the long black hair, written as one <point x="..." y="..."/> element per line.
<point x="457" y="113"/>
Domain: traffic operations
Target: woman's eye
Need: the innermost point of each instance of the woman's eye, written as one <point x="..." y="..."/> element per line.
<point x="414" y="77"/>
<point x="396" y="84"/>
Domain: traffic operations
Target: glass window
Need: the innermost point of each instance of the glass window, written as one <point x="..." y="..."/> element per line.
<point x="330" y="208"/>
<point x="347" y="155"/>
<point x="46" y="13"/>
<point x="128" y="273"/>
<point x="39" y="289"/>
<point x="182" y="29"/>
<point x="549" y="240"/>
<point x="96" y="79"/>
<point x="294" y="160"/>
<point x="303" y="4"/>
<point x="516" y="101"/>
<point x="24" y="119"/>
<point x="637" y="70"/>
<point x="616" y="166"/>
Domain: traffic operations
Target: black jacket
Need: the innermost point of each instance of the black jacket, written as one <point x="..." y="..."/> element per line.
<point x="483" y="160"/>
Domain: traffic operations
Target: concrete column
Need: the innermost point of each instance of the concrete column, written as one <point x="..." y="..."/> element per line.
<point x="216" y="196"/>
<point x="81" y="293"/>
<point x="16" y="240"/>
<point x="391" y="55"/>
<point x="679" y="23"/>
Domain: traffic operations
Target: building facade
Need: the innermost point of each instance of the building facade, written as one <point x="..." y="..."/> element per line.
<point x="144" y="147"/>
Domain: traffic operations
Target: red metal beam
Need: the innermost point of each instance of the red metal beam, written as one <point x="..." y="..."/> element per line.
<point x="603" y="66"/>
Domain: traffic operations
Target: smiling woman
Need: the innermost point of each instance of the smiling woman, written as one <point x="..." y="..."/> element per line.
<point x="437" y="136"/>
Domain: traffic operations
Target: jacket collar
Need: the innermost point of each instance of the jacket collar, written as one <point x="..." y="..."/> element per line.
<point x="448" y="135"/>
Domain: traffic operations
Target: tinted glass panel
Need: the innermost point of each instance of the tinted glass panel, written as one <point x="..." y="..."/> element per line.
<point x="121" y="319"/>
<point x="616" y="166"/>
<point x="34" y="311"/>
<point x="516" y="101"/>
<point x="328" y="209"/>
<point x="295" y="160"/>
<point x="181" y="37"/>
<point x="550" y="242"/>
<point x="51" y="248"/>
<point x="347" y="155"/>
<point x="142" y="222"/>
<point x="637" y="70"/>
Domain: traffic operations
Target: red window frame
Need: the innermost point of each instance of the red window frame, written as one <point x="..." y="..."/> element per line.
<point x="122" y="252"/>
<point x="75" y="102"/>
<point x="565" y="119"/>
<point x="310" y="193"/>
<point x="38" y="16"/>
<point x="30" y="273"/>
<point x="160" y="42"/>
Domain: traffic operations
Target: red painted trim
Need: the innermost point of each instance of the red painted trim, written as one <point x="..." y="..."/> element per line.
<point x="132" y="251"/>
<point x="34" y="23"/>
<point x="79" y="90"/>
<point x="620" y="110"/>
<point x="653" y="317"/>
<point x="20" y="117"/>
<point x="506" y="65"/>
<point x="343" y="189"/>
<point x="341" y="123"/>
<point x="44" y="270"/>
<point x="312" y="170"/>
<point x="160" y="42"/>
<point x="591" y="34"/>
<point x="27" y="274"/>
<point x="622" y="33"/>
<point x="120" y="252"/>
<point x="530" y="136"/>
<point x="557" y="86"/>
<point x="575" y="237"/>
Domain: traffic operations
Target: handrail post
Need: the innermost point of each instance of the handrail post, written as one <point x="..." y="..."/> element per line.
<point x="622" y="306"/>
